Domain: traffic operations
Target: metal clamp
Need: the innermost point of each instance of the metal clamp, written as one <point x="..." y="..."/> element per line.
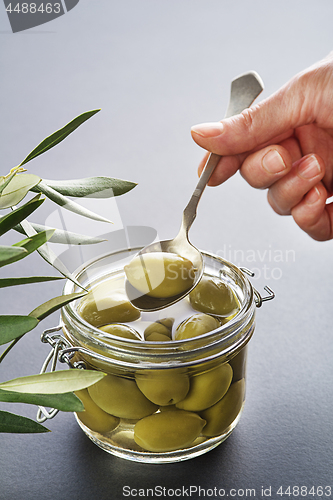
<point x="60" y="352"/>
<point x="258" y="298"/>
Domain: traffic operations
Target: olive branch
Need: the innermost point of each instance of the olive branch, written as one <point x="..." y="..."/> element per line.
<point x="54" y="389"/>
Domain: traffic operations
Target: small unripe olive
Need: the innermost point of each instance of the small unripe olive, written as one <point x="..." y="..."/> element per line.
<point x="207" y="388"/>
<point x="160" y="274"/>
<point x="106" y="304"/>
<point x="121" y="397"/>
<point x="120" y="330"/>
<point x="157" y="327"/>
<point x="213" y="296"/>
<point x="224" y="412"/>
<point x="163" y="387"/>
<point x="157" y="337"/>
<point x="93" y="416"/>
<point x="168" y="430"/>
<point x="196" y="325"/>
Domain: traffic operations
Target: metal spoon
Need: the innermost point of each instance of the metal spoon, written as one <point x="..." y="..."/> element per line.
<point x="244" y="91"/>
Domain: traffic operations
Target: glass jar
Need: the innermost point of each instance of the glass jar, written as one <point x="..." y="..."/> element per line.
<point x="162" y="401"/>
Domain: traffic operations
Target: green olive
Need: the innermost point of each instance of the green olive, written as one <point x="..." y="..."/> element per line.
<point x="160" y="274"/>
<point x="159" y="327"/>
<point x="168" y="322"/>
<point x="168" y="430"/>
<point x="238" y="364"/>
<point x="163" y="387"/>
<point x="121" y="397"/>
<point x="157" y="337"/>
<point x="224" y="412"/>
<point x="196" y="325"/>
<point x="213" y="296"/>
<point x="106" y="304"/>
<point x="119" y="330"/>
<point x="93" y="417"/>
<point x="207" y="388"/>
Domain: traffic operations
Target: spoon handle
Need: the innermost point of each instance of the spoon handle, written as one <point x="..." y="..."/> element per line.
<point x="244" y="90"/>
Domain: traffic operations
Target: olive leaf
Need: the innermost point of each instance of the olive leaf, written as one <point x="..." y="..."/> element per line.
<point x="21" y="249"/>
<point x="92" y="187"/>
<point x="13" y="218"/>
<point x="63" y="237"/>
<point x="17" y="189"/>
<point x="58" y="136"/>
<point x="72" y="206"/>
<point x="64" y="402"/>
<point x="9" y="254"/>
<point x="9" y="422"/>
<point x="13" y="327"/>
<point x="26" y="280"/>
<point x="48" y="255"/>
<point x="57" y="382"/>
<point x="5" y="179"/>
<point x="52" y="305"/>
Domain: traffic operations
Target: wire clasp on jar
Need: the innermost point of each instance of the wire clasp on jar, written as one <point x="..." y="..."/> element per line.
<point x="61" y="351"/>
<point x="258" y="297"/>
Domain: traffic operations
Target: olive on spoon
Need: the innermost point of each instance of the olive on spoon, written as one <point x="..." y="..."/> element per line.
<point x="164" y="272"/>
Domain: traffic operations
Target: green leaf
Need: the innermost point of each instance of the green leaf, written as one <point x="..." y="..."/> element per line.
<point x="13" y="327"/>
<point x="58" y="136"/>
<point x="9" y="254"/>
<point x="16" y="216"/>
<point x="33" y="242"/>
<point x="53" y="305"/>
<point x="9" y="422"/>
<point x="64" y="402"/>
<point x="5" y="180"/>
<point x="49" y="256"/>
<point x="17" y="189"/>
<point x="72" y="206"/>
<point x="93" y="187"/>
<point x="23" y="248"/>
<point x="63" y="237"/>
<point x="5" y="282"/>
<point x="57" y="382"/>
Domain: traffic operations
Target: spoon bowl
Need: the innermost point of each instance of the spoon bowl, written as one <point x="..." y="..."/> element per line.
<point x="244" y="91"/>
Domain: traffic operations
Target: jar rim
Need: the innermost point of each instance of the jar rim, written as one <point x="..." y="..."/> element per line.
<point x="221" y="341"/>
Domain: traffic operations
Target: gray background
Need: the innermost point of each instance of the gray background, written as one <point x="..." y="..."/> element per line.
<point x="156" y="68"/>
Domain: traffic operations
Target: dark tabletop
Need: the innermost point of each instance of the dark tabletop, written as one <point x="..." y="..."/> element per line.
<point x="155" y="69"/>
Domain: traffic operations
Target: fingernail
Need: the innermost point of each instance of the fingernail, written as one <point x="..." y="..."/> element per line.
<point x="212" y="129"/>
<point x="309" y="167"/>
<point x="273" y="162"/>
<point x="312" y="196"/>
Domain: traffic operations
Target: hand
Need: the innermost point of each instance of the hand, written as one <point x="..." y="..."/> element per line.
<point x="285" y="144"/>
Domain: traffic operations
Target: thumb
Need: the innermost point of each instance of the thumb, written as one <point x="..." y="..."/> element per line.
<point x="272" y="119"/>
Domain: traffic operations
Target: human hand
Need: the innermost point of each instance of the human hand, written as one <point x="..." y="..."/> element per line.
<point x="285" y="144"/>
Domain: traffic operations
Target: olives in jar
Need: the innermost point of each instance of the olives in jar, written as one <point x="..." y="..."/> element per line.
<point x="162" y="326"/>
<point x="93" y="416"/>
<point x="196" y="325"/>
<point x="121" y="397"/>
<point x="160" y="274"/>
<point x="168" y="430"/>
<point x="157" y="337"/>
<point x="105" y="304"/>
<point x="120" y="330"/>
<point x="238" y="364"/>
<point x="207" y="388"/>
<point x="213" y="296"/>
<point x="224" y="412"/>
<point x="163" y="387"/>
